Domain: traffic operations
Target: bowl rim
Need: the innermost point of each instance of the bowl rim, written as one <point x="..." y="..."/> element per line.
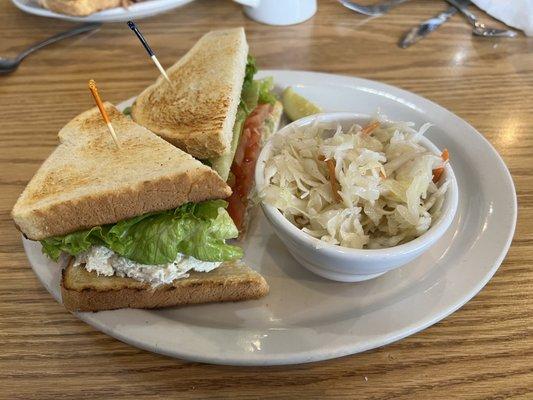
<point x="275" y="216"/>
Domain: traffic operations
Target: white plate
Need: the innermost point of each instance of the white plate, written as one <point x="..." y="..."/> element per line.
<point x="306" y="318"/>
<point x="119" y="14"/>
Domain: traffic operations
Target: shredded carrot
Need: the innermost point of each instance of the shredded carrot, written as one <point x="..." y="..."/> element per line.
<point x="445" y="155"/>
<point x="367" y="130"/>
<point x="335" y="187"/>
<point x="382" y="174"/>
<point x="437" y="172"/>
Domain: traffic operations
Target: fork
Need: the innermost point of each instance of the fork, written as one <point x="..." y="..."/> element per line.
<point x="377" y="9"/>
<point x="479" y="28"/>
<point x="8" y="65"/>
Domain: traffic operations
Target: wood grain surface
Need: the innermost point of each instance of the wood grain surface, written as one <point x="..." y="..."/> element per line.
<point x="483" y="351"/>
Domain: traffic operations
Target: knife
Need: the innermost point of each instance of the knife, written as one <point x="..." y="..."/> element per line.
<point x="425" y="28"/>
<point x="480" y="29"/>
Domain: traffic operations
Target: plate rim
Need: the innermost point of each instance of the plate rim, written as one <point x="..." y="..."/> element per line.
<point x="343" y="349"/>
<point x="98" y="17"/>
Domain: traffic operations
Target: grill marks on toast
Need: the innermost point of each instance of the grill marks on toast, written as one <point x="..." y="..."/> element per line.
<point x="87" y="181"/>
<point x="197" y="112"/>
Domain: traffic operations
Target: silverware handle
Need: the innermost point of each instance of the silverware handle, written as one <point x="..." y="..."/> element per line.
<point x="60" y="36"/>
<point x="372" y="10"/>
<point x="395" y="2"/>
<point x="468" y="14"/>
<point x="426" y="27"/>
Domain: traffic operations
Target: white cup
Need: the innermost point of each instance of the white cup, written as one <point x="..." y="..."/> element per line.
<point x="279" y="12"/>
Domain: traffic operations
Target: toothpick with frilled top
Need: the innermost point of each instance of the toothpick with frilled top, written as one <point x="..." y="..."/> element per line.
<point x="100" y="105"/>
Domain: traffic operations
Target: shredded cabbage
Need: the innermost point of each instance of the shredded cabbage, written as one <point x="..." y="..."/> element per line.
<point x="387" y="195"/>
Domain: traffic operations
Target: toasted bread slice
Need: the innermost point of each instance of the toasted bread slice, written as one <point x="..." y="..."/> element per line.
<point x="87" y="181"/>
<point x="197" y="111"/>
<point x="86" y="291"/>
<point x="79" y="8"/>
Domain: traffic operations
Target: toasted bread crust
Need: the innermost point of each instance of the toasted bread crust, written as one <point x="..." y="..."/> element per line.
<point x="105" y="208"/>
<point x="85" y="291"/>
<point x="79" y="8"/>
<point x="197" y="112"/>
<point x="87" y="181"/>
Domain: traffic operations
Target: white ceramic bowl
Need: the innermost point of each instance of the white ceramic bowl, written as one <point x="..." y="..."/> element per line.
<point x="342" y="263"/>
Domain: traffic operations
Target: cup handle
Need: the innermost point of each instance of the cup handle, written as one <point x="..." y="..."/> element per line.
<point x="249" y="3"/>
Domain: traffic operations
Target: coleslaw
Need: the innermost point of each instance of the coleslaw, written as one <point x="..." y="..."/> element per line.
<point x="371" y="186"/>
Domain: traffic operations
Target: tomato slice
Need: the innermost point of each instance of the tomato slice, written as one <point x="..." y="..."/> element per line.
<point x="243" y="167"/>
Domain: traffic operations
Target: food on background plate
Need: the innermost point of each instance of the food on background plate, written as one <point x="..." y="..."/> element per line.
<point x="297" y="106"/>
<point x="143" y="223"/>
<point x="367" y="187"/>
<point x="82" y="8"/>
<point x="214" y="110"/>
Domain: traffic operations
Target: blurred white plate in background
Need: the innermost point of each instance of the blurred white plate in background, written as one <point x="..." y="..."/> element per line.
<point x="119" y="14"/>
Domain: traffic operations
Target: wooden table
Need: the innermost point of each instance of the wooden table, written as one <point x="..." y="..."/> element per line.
<point x="481" y="351"/>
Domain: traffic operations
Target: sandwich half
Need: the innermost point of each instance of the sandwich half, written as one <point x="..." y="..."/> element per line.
<point x="143" y="223"/>
<point x="214" y="110"/>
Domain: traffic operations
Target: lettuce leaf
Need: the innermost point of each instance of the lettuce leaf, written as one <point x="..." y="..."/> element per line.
<point x="73" y="243"/>
<point x="198" y="230"/>
<point x="255" y="91"/>
<point x="265" y="94"/>
<point x="249" y="91"/>
<point x="249" y="99"/>
<point x="251" y="70"/>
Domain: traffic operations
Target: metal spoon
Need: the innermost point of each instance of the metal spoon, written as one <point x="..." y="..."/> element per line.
<point x="8" y="65"/>
<point x="479" y="28"/>
<point x="377" y="9"/>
